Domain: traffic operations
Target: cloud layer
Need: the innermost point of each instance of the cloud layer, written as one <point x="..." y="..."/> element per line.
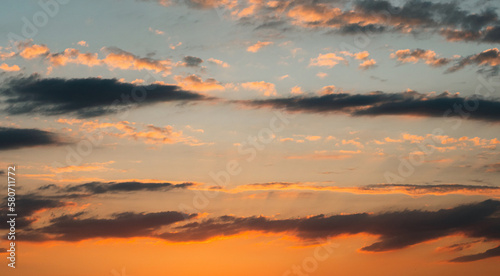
<point x="380" y="103"/>
<point x="88" y="97"/>
<point x="16" y="138"/>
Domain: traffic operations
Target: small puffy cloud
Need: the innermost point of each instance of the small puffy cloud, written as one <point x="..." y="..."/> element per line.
<point x="190" y="61"/>
<point x="196" y="83"/>
<point x="367" y="64"/>
<point x="83" y="43"/>
<point x="326" y="60"/>
<point x="6" y="67"/>
<point x="267" y="88"/>
<point x="326" y="90"/>
<point x="322" y="75"/>
<point x="296" y="90"/>
<point x="173" y="46"/>
<point x="257" y="46"/>
<point x="218" y="62"/>
<point x="158" y="32"/>
<point x="29" y="51"/>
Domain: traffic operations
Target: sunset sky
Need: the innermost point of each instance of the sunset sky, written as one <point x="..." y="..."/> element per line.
<point x="251" y="137"/>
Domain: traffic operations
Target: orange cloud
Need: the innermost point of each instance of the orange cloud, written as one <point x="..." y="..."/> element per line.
<point x="83" y="43"/>
<point x="327" y="60"/>
<point x="257" y="46"/>
<point x="118" y="58"/>
<point x="296" y="90"/>
<point x="29" y="51"/>
<point x="267" y="88"/>
<point x="369" y="63"/>
<point x="321" y="155"/>
<point x="428" y="56"/>
<point x="218" y="62"/>
<point x="83" y="168"/>
<point x="8" y="68"/>
<point x="195" y="83"/>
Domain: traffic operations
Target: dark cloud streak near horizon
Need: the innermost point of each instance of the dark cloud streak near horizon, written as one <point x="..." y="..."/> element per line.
<point x="396" y="230"/>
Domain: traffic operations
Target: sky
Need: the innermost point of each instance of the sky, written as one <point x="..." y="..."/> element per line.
<point x="250" y="137"/>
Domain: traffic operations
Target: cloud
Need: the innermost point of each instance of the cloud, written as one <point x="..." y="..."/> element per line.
<point x="196" y="83"/>
<point x="83" y="43"/>
<point x="122" y="225"/>
<point x="367" y="64"/>
<point x="296" y="90"/>
<point x="191" y="61"/>
<point x="493" y="167"/>
<point x="218" y="62"/>
<point x="331" y="59"/>
<point x="257" y="46"/>
<point x="16" y="138"/>
<point x="396" y="230"/>
<point x="94" y="188"/>
<point x="148" y="133"/>
<point x="115" y="58"/>
<point x="376" y="189"/>
<point x="380" y="103"/>
<point x="490" y="253"/>
<point x="31" y="51"/>
<point x="490" y="57"/>
<point x="84" y="97"/>
<point x="267" y="88"/>
<point x="428" y="56"/>
<point x="327" y="60"/>
<point x="440" y="189"/>
<point x="450" y="19"/>
<point x="6" y="67"/>
<point x="118" y="58"/>
<point x="27" y="206"/>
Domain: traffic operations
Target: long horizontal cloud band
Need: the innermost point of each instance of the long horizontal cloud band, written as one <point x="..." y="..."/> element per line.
<point x="450" y="20"/>
<point x="15" y="138"/>
<point x="380" y="103"/>
<point x="88" y="97"/>
<point x="396" y="230"/>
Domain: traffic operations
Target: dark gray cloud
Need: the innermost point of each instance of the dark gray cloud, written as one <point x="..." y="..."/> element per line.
<point x="83" y="97"/>
<point x="396" y="230"/>
<point x="352" y="29"/>
<point x="16" y="138"/>
<point x="494" y="252"/>
<point x="122" y="225"/>
<point x="114" y="187"/>
<point x="191" y="61"/>
<point x="26" y="206"/>
<point x="380" y="103"/>
<point x="432" y="188"/>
